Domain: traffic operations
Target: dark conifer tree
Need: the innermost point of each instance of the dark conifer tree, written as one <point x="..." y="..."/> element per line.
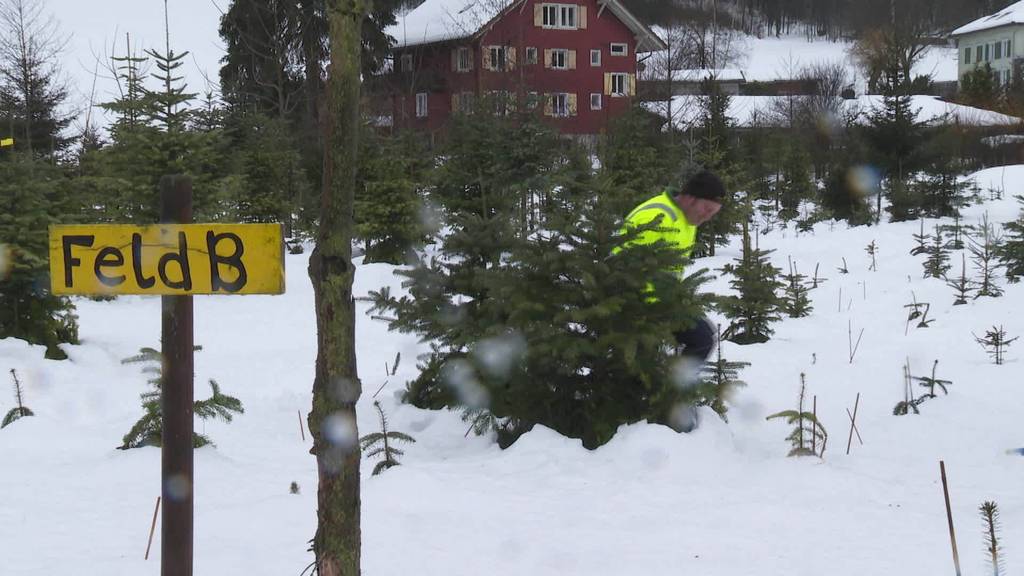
<point x="756" y="304"/>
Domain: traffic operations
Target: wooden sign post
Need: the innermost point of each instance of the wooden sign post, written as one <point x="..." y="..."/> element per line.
<point x="175" y="259"/>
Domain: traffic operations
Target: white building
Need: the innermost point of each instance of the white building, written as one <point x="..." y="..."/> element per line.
<point x="996" y="40"/>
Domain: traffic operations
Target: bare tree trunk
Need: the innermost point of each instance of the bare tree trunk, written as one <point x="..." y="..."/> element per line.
<point x="336" y="387"/>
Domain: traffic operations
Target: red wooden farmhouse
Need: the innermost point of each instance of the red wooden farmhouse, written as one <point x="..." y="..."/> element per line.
<point x="575" y="63"/>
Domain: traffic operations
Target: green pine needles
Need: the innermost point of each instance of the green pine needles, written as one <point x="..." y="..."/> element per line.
<point x="19" y="411"/>
<point x="995" y="343"/>
<point x="808" y="437"/>
<point x="937" y="263"/>
<point x="989" y="512"/>
<point x="1011" y="254"/>
<point x="962" y="285"/>
<point x="719" y="381"/>
<point x="148" y="430"/>
<point x="382" y="443"/>
<point x="984" y="247"/>
<point x="929" y="383"/>
<point x="757" y="304"/>
<point x="796" y="303"/>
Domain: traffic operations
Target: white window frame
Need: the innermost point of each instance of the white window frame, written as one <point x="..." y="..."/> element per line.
<point x="560" y="16"/>
<point x="560" y="54"/>
<point x="596" y="100"/>
<point x="422" y="105"/>
<point x="595" y="61"/>
<point x="622" y="79"/>
<point x="997" y="50"/>
<point x="499" y="64"/>
<point x="988" y="52"/>
<point x="979" y="54"/>
<point x="406" y="62"/>
<point x="531" y="55"/>
<point x="466" y="104"/>
<point x="563" y="99"/>
<point x="463" y="59"/>
<point x="622" y="47"/>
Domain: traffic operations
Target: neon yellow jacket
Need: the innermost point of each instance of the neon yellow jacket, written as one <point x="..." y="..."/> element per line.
<point x="673" y="228"/>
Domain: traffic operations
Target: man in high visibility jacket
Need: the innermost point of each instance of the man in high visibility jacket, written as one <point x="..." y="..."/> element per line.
<point x="681" y="213"/>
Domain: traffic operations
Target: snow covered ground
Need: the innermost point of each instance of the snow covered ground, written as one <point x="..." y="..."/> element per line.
<point x="724" y="500"/>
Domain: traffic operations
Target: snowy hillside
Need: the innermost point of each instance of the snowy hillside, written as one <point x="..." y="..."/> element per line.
<point x="724" y="500"/>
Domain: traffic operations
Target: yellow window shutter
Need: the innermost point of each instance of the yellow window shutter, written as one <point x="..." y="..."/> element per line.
<point x="487" y="58"/>
<point x="455" y="103"/>
<point x="631" y="90"/>
<point x="582" y="12"/>
<point x="572" y="59"/>
<point x="549" y="110"/>
<point x="472" y="57"/>
<point x="455" y="59"/>
<point x="572" y="104"/>
<point x="607" y="84"/>
<point x="510" y="58"/>
<point x="547" y="57"/>
<point x="538" y="14"/>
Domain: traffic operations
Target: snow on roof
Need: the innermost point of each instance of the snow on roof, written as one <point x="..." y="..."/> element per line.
<point x="1012" y="14"/>
<point x="763" y="111"/>
<point x="723" y="75"/>
<point x="440" y="20"/>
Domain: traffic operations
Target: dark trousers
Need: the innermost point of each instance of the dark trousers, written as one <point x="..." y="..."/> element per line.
<point x="699" y="341"/>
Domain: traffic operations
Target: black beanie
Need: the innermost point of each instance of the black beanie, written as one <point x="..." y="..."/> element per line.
<point x="705" y="184"/>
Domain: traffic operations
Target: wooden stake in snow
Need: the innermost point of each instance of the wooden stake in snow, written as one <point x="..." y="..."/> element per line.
<point x="849" y="337"/>
<point x="814" y="437"/>
<point x="949" y="517"/>
<point x="301" y="430"/>
<point x="152" y="527"/>
<point x="853" y="424"/>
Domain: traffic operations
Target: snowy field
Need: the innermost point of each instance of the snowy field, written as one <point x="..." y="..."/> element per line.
<point x="724" y="500"/>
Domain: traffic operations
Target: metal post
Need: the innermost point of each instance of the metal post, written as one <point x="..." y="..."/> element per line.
<point x="176" y="401"/>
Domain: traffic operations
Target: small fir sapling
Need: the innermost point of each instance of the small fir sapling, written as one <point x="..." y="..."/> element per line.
<point x="962" y="285"/>
<point x="808" y="431"/>
<point x="19" y="411"/>
<point x="922" y="242"/>
<point x="719" y="380"/>
<point x="815" y="280"/>
<point x="930" y="382"/>
<point x="872" y="250"/>
<point x="917" y="311"/>
<point x="957" y="232"/>
<point x="995" y="343"/>
<point x="294" y="488"/>
<point x="984" y="247"/>
<point x="909" y="403"/>
<point x="993" y="548"/>
<point x="795" y="301"/>
<point x="1011" y="254"/>
<point x="844" y="269"/>
<point x="148" y="430"/>
<point x="937" y="263"/>
<point x="380" y="443"/>
<point x="756" y="305"/>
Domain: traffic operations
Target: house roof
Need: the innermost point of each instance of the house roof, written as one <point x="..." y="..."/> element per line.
<point x="1012" y="14"/>
<point x="447" y="20"/>
<point x="700" y="75"/>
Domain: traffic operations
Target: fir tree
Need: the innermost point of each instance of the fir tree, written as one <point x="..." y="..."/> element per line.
<point x="148" y="430"/>
<point x="715" y="151"/>
<point x="930" y="382"/>
<point x="922" y="242"/>
<point x="379" y="443"/>
<point x="984" y="248"/>
<point x="719" y="381"/>
<point x="33" y="195"/>
<point x="563" y="331"/>
<point x="872" y="250"/>
<point x="389" y="209"/>
<point x="995" y="343"/>
<point x="956" y="231"/>
<point x="909" y="403"/>
<point x="796" y="185"/>
<point x="808" y="431"/>
<point x="19" y="411"/>
<point x="637" y="157"/>
<point x="796" y="302"/>
<point x="993" y="549"/>
<point x="937" y="263"/>
<point x="757" y="303"/>
<point x="962" y="285"/>
<point x="1011" y="254"/>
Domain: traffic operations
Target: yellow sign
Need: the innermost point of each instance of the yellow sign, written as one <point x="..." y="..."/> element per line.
<point x="167" y="259"/>
<point x="6" y="142"/>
